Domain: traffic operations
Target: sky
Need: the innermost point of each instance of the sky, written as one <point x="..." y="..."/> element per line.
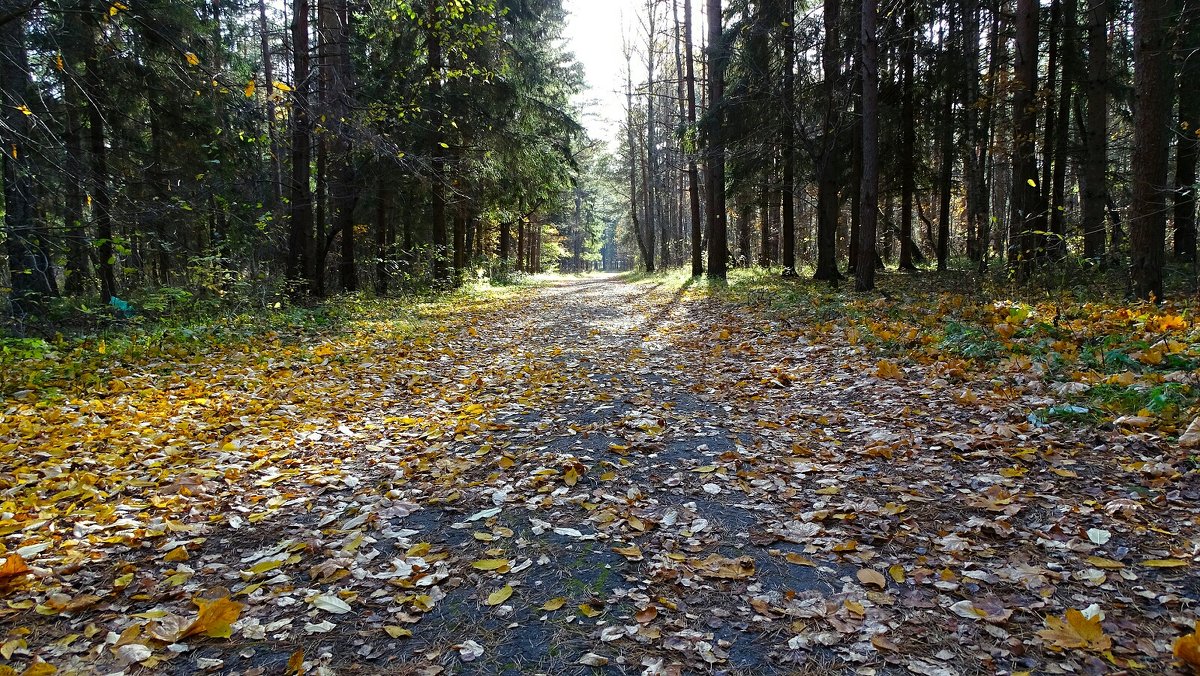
<point x="594" y="33"/>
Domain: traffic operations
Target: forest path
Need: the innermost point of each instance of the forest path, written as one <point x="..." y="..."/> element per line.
<point x="637" y="478"/>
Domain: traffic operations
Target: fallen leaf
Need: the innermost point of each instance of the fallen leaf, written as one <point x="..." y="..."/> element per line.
<point x="1075" y="631"/>
<point x="592" y="660"/>
<point x="214" y="619"/>
<point x="872" y="577"/>
<point x="1187" y="649"/>
<point x="499" y="596"/>
<point x="331" y="604"/>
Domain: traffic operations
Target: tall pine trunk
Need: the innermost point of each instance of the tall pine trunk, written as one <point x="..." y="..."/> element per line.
<point x="31" y="276"/>
<point x="864" y="268"/>
<point x="908" y="133"/>
<point x="1094" y="174"/>
<point x="1187" y="144"/>
<point x="693" y="171"/>
<point x="1026" y="196"/>
<point x="300" y="215"/>
<point x="1152" y="105"/>
<point x="718" y="244"/>
<point x="827" y="182"/>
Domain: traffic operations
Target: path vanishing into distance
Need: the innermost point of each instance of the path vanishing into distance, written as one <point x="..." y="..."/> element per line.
<point x="592" y="476"/>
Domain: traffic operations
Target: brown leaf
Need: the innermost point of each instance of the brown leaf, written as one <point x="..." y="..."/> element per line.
<point x="872" y="577"/>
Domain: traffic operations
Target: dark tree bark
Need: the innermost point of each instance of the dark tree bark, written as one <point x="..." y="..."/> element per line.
<point x="908" y="133"/>
<point x="1066" y="97"/>
<point x="718" y="244"/>
<point x="942" y="246"/>
<point x="1187" y="143"/>
<point x="1026" y="197"/>
<point x="300" y="215"/>
<point x="75" y="171"/>
<point x="828" y="203"/>
<point x="1094" y="173"/>
<point x="1147" y="212"/>
<point x="276" y="173"/>
<point x="693" y="172"/>
<point x="789" y="145"/>
<point x="28" y="263"/>
<point x="382" y="250"/>
<point x="344" y="184"/>
<point x="864" y="268"/>
<point x="98" y="146"/>
<point x="437" y="211"/>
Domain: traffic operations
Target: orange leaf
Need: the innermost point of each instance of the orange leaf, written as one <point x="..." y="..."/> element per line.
<point x="13" y="566"/>
<point x="295" y="663"/>
<point x="1187" y="649"/>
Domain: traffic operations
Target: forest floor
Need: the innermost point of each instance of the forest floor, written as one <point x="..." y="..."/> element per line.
<point x="604" y="476"/>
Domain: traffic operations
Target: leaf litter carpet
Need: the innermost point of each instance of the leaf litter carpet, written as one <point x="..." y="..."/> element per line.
<point x="595" y="477"/>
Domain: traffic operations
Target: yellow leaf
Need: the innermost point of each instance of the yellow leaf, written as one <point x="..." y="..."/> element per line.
<point x="1107" y="564"/>
<point x="1075" y="631"/>
<point x="571" y="476"/>
<point x="40" y="668"/>
<point x="707" y="469"/>
<point x="281" y="86"/>
<point x="795" y="558"/>
<point x="7" y="650"/>
<point x="632" y="552"/>
<point x="192" y="59"/>
<point x="588" y="611"/>
<point x="25" y="109"/>
<point x="499" y="596"/>
<point x="214" y="618"/>
<point x="397" y="632"/>
<point x="178" y="554"/>
<point x="555" y="603"/>
<point x="124" y="580"/>
<point x="490" y="564"/>
<point x="250" y="89"/>
<point x="1032" y="183"/>
<point x="854" y="607"/>
<point x="717" y="566"/>
<point x="897" y="573"/>
<point x="1165" y="563"/>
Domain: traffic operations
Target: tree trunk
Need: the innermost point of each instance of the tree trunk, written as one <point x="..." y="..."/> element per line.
<point x="276" y="174"/>
<point x="1094" y="175"/>
<point x="693" y="172"/>
<point x="1187" y="143"/>
<point x="908" y="133"/>
<point x="864" y="268"/>
<point x="789" y="143"/>
<point x="718" y="244"/>
<point x="1026" y="197"/>
<point x="827" y="182"/>
<point x="300" y="216"/>
<point x="942" y="246"/>
<point x="1062" y="135"/>
<point x="28" y="263"/>
<point x="381" y="237"/>
<point x="1147" y="212"/>
<point x="101" y="197"/>
<point x="437" y="212"/>
<point x="75" y="172"/>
